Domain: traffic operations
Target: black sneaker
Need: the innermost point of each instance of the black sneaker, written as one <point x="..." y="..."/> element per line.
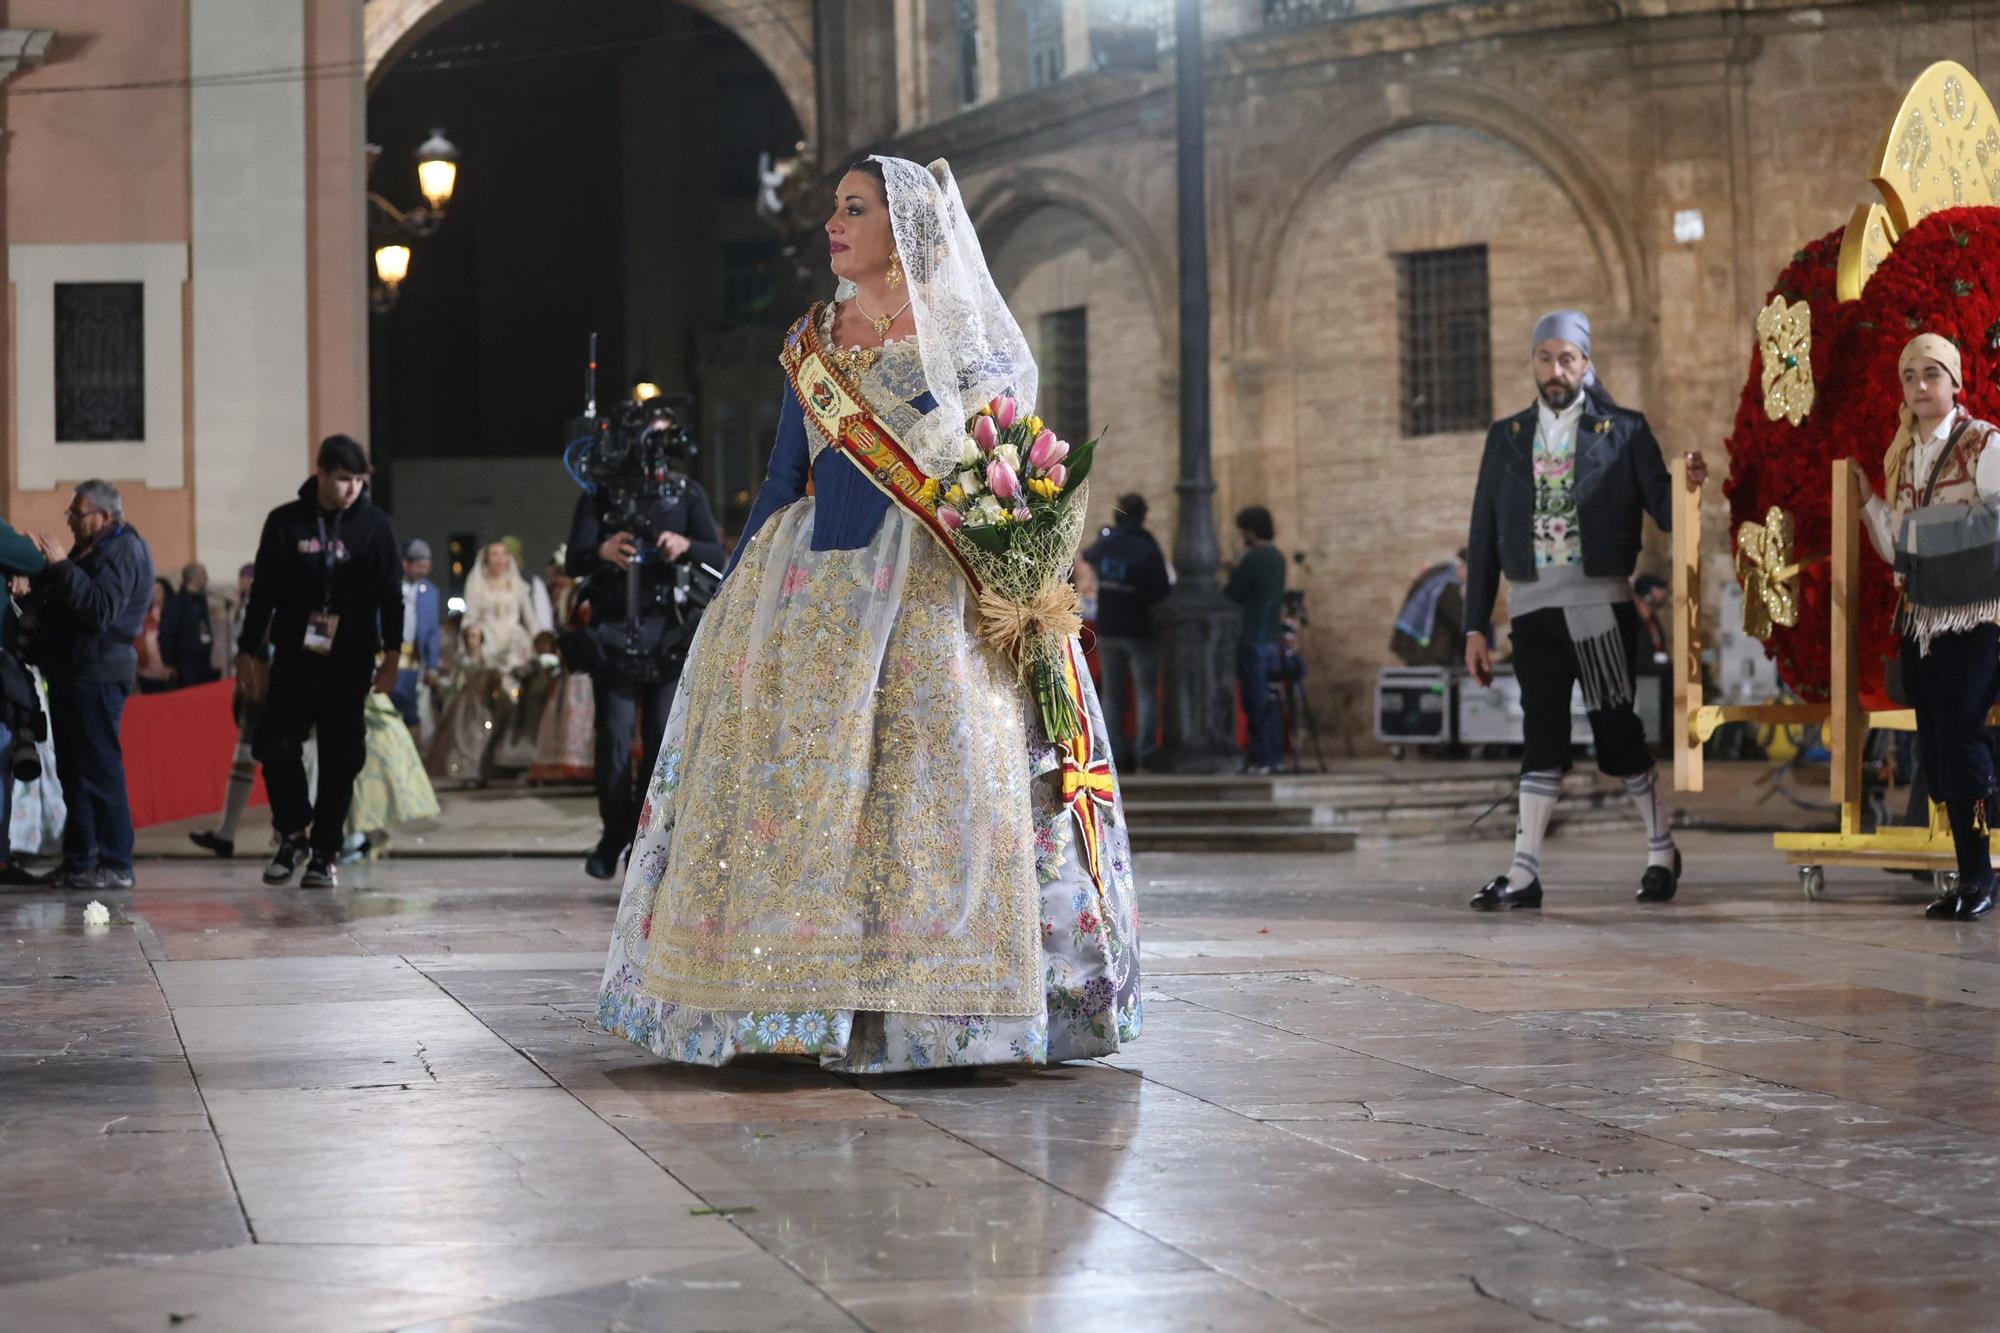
<point x="291" y="852"/>
<point x="114" y="877"/>
<point x="214" y="842"/>
<point x="322" y="872"/>
<point x="74" y="879"/>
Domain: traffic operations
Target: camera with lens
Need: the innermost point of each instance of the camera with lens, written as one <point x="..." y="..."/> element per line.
<point x="625" y="460"/>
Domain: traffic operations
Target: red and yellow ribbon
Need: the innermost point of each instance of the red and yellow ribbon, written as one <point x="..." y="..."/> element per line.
<point x="1088" y="786"/>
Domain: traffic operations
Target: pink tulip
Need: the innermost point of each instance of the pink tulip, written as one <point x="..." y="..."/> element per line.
<point x="1022" y="514"/>
<point x="1002" y="480"/>
<point x="1005" y="409"/>
<point x="950" y="517"/>
<point x="1047" y="450"/>
<point x="984" y="435"/>
<point x="1059" y="473"/>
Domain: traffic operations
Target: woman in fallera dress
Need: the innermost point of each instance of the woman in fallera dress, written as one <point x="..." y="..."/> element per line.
<point x="858" y="844"/>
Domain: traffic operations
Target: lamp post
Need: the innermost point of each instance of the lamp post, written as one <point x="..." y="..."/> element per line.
<point x="1199" y="624"/>
<point x="437" y="178"/>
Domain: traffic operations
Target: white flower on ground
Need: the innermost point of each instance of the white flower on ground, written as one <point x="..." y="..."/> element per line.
<point x="97" y="914"/>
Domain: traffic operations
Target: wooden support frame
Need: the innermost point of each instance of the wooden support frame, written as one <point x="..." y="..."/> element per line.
<point x="1685" y="577"/>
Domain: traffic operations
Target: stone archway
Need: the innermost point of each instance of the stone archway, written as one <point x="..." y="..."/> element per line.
<point x="778" y="31"/>
<point x="1366" y="120"/>
<point x="1000" y="209"/>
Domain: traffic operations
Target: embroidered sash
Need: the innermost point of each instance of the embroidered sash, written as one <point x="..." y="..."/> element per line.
<point x="835" y="404"/>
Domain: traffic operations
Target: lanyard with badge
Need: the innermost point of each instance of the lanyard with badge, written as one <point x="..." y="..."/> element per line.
<point x="322" y="624"/>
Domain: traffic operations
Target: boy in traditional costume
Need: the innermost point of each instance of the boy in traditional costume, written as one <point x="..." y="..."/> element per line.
<point x="1942" y="474"/>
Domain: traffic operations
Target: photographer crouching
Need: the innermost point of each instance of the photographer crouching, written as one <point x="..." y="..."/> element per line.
<point x="646" y="552"/>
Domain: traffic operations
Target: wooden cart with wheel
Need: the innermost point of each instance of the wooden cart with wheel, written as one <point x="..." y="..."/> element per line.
<point x="1889" y="848"/>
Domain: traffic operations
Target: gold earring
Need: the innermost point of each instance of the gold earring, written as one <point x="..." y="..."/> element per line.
<point x="895" y="277"/>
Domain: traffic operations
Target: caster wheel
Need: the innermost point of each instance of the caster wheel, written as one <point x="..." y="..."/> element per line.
<point x="1397" y="752"/>
<point x="1812" y="882"/>
<point x="1946" y="881"/>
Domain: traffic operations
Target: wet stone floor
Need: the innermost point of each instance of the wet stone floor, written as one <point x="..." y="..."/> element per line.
<point x="1357" y="1105"/>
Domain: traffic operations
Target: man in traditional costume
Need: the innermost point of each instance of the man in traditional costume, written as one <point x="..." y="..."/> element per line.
<point x="1563" y="488"/>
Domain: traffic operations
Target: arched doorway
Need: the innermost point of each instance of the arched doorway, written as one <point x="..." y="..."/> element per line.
<point x="608" y="186"/>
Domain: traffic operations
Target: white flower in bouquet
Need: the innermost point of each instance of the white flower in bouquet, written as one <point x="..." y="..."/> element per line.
<point x="969" y="455"/>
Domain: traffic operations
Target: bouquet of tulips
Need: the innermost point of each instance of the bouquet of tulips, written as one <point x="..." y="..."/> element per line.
<point x="1016" y="509"/>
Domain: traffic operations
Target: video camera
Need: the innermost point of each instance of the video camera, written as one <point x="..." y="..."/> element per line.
<point x="625" y="458"/>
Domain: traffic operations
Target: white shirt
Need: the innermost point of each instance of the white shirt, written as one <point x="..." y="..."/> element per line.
<point x="1880" y="517"/>
<point x="409" y="611"/>
<point x="1559" y="428"/>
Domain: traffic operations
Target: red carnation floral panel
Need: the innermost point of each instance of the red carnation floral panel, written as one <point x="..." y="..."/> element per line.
<point x="1943" y="277"/>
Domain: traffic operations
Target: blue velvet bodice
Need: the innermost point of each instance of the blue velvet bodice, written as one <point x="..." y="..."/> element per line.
<point x="848" y="505"/>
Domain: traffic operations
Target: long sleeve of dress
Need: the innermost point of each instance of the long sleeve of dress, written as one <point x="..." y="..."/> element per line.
<point x="785" y="479"/>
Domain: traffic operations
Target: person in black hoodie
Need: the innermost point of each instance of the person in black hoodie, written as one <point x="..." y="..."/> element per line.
<point x="1131" y="581"/>
<point x="93" y="604"/>
<point x="327" y="594"/>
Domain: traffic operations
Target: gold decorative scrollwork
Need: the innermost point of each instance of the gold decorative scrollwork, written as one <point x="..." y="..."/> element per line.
<point x="1784" y="337"/>
<point x="1769" y="575"/>
<point x="1942" y="150"/>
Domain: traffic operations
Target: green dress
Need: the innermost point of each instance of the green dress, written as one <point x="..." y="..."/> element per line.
<point x="393" y="789"/>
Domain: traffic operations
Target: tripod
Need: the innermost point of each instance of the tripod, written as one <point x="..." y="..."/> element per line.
<point x="1295" y="707"/>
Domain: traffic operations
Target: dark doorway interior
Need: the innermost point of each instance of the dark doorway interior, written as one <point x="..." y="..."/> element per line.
<point x="607" y="184"/>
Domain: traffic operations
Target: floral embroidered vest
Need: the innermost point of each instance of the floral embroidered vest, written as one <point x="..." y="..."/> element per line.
<point x="1957" y="481"/>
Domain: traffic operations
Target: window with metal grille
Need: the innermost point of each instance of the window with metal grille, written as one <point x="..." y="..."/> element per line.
<point x="1446" y="316"/>
<point x="1064" y="360"/>
<point x="1045" y="42"/>
<point x="966" y="22"/>
<point x="100" y="346"/>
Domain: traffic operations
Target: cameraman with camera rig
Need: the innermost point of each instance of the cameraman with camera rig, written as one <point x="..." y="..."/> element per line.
<point x="647" y="555"/>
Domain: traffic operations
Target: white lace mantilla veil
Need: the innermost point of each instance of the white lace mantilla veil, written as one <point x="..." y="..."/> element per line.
<point x="972" y="349"/>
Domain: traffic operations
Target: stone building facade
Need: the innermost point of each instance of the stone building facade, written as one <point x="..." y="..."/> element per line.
<point x="1562" y="136"/>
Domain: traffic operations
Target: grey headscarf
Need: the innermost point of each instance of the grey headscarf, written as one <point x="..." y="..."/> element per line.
<point x="1573" y="326"/>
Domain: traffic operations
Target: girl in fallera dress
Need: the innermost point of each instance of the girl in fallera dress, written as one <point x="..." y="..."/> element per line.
<point x="564" y="741"/>
<point x="857" y="844"/>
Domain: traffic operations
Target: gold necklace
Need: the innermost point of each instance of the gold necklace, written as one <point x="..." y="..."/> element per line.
<point x="882" y="323"/>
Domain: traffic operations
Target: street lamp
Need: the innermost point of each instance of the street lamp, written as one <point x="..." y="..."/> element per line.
<point x="1198" y="623"/>
<point x="392" y="265"/>
<point x="437" y="178"/>
<point x="437" y="170"/>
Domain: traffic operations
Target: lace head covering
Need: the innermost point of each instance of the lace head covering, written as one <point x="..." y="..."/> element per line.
<point x="971" y="347"/>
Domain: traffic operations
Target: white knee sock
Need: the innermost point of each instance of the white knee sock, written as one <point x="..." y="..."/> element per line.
<point x="1645" y="790"/>
<point x="242" y="776"/>
<point x="1539" y="794"/>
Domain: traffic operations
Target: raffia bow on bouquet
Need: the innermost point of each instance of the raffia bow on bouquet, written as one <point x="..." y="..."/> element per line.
<point x="1015" y="509"/>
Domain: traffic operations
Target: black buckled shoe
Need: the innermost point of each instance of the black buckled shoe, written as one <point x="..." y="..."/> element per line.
<point x="1659" y="884"/>
<point x="1977" y="901"/>
<point x="1497" y="896"/>
<point x="1945" y="908"/>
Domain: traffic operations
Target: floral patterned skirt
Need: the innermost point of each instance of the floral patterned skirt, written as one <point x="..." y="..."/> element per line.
<point x="565" y="746"/>
<point x="392" y="788"/>
<point x="1085" y="1000"/>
